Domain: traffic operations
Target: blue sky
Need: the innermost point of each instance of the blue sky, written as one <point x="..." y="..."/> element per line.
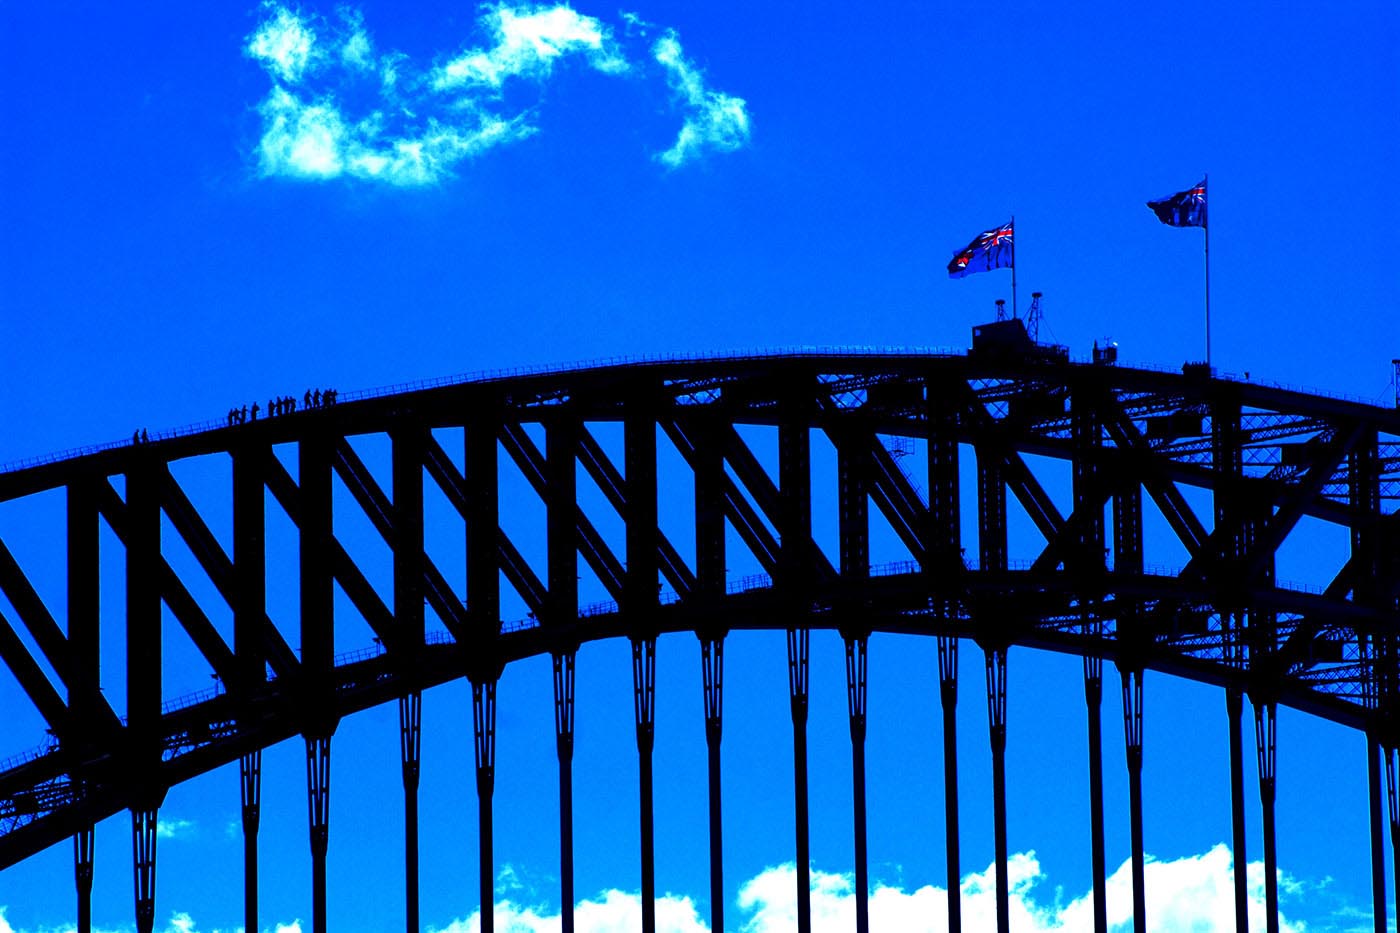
<point x="208" y="204"/>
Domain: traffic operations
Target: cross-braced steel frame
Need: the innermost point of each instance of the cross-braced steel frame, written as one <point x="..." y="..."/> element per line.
<point x="1267" y="458"/>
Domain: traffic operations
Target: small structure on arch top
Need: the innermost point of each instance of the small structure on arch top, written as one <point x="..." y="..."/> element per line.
<point x="1012" y="337"/>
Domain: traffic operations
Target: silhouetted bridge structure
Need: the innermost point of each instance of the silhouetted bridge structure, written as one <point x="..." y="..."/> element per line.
<point x="1266" y="457"/>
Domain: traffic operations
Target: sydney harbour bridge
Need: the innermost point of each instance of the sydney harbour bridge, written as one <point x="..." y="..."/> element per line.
<point x="1264" y="458"/>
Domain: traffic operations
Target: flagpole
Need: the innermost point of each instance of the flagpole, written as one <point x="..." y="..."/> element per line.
<point x="1205" y="185"/>
<point x="1014" y="311"/>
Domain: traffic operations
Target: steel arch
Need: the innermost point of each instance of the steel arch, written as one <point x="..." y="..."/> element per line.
<point x="1267" y="457"/>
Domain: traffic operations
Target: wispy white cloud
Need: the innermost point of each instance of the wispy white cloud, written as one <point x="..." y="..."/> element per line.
<point x="167" y="828"/>
<point x="713" y="119"/>
<point x="529" y="40"/>
<point x="311" y="139"/>
<point x="341" y="108"/>
<point x="299" y="138"/>
<point x="284" y="44"/>
<point x="634" y="24"/>
<point x="357" y="49"/>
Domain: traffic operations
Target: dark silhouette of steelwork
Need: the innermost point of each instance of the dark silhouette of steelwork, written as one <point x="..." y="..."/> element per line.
<point x="1392" y="765"/>
<point x="318" y="796"/>
<point x="1093" y="698"/>
<point x="944" y="556"/>
<point x="855" y="698"/>
<point x="793" y="565"/>
<point x="798" y="641"/>
<point x="1132" y="729"/>
<point x="1090" y="489"/>
<point x="854" y="524"/>
<point x="1267" y="458"/>
<point x="996" y="720"/>
<point x="250" y="783"/>
<point x="484" y="727"/>
<point x="82" y="869"/>
<point x="1264" y="733"/>
<point x="143" y="847"/>
<point x="1373" y="778"/>
<point x="411" y="750"/>
<point x="1234" y="708"/>
<point x="948" y="698"/>
<point x="712" y="671"/>
<point x="644" y="699"/>
<point x="564" y="744"/>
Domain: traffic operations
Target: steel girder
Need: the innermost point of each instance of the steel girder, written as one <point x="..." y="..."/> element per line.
<point x="1268" y="458"/>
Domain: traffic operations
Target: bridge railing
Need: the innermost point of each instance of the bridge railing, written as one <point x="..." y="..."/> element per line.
<point x="513" y="372"/>
<point x="32" y="754"/>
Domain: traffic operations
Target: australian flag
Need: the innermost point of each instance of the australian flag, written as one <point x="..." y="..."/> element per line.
<point x="1183" y="209"/>
<point x="991" y="249"/>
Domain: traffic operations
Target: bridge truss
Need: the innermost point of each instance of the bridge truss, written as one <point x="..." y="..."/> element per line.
<point x="1264" y="458"/>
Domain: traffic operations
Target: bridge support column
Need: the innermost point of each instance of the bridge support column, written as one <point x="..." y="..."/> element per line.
<point x="1127" y="560"/>
<point x="712" y="669"/>
<point x="996" y="718"/>
<point x="409" y="442"/>
<point x="143" y="678"/>
<point x="944" y="558"/>
<point x="710" y="523"/>
<point x="798" y="642"/>
<point x="1265" y="734"/>
<point x="855" y="704"/>
<point x="1093" y="700"/>
<point x="644" y="706"/>
<point x="84" y="622"/>
<point x="1373" y="780"/>
<point x="410" y="752"/>
<point x="1132" y="733"/>
<point x="1234" y="708"/>
<point x="1392" y="781"/>
<point x="561" y="610"/>
<point x="82" y="875"/>
<point x="318" y="791"/>
<point x="484" y="727"/>
<point x="564" y="746"/>
<point x="143" y="847"/>
<point x="250" y="787"/>
<point x="948" y="695"/>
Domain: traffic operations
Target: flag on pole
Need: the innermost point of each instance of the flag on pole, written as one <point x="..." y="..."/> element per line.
<point x="1188" y="209"/>
<point x="990" y="249"/>
<point x="1183" y="209"/>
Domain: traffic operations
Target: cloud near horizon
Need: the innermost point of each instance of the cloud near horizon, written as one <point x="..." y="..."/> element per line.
<point x="180" y="922"/>
<point x="338" y="107"/>
<point x="1184" y="895"/>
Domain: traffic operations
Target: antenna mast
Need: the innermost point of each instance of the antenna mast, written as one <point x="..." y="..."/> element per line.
<point x="1033" y="318"/>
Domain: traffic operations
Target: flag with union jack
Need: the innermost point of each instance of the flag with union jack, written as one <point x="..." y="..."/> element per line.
<point x="990" y="249"/>
<point x="1183" y="209"/>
